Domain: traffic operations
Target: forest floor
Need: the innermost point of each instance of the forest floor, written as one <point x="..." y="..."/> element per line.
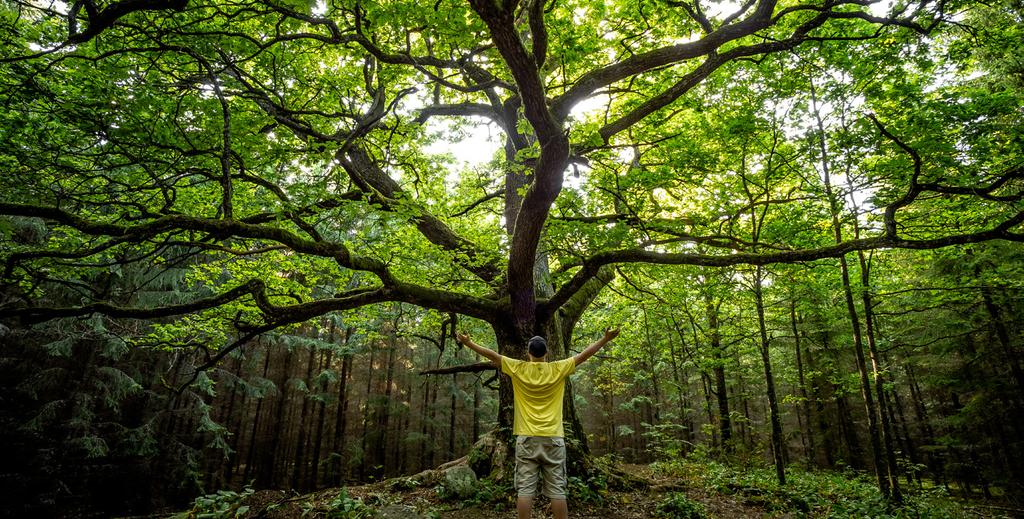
<point x="683" y="490"/>
<point x="613" y="504"/>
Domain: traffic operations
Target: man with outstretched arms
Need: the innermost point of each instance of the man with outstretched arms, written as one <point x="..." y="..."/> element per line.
<point x="539" y="386"/>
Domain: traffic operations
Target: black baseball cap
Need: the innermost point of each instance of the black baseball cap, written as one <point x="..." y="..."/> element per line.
<point x="538" y="346"/>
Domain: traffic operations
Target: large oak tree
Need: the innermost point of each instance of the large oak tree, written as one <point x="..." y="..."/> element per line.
<point x="286" y="153"/>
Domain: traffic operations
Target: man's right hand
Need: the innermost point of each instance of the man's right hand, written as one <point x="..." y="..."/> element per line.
<point x="610" y="333"/>
<point x="589" y="351"/>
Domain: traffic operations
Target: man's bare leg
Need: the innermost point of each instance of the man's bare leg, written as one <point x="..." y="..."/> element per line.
<point x="524" y="504"/>
<point x="559" y="508"/>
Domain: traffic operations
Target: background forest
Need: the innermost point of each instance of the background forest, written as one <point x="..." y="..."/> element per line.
<point x="237" y="239"/>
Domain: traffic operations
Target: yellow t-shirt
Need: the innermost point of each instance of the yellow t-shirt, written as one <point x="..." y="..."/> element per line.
<point x="539" y="388"/>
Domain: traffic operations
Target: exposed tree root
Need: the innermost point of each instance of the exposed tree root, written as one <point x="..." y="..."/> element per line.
<point x="491" y="458"/>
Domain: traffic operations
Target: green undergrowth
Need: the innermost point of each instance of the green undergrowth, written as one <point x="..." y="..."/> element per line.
<point x="678" y="505"/>
<point x="346" y="507"/>
<point x="806" y="493"/>
<point x="486" y="492"/>
<point x="223" y="504"/>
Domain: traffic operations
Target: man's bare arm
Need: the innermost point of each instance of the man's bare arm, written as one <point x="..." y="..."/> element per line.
<point x="492" y="355"/>
<point x="589" y="351"/>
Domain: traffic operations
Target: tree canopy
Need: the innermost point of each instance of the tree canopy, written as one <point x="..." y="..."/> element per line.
<point x="287" y="151"/>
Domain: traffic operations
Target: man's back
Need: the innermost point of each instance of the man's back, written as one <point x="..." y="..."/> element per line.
<point x="539" y="388"/>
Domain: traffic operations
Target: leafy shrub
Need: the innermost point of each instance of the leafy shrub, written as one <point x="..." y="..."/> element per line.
<point x="344" y="506"/>
<point x="225" y="504"/>
<point x="592" y="490"/>
<point x="678" y="506"/>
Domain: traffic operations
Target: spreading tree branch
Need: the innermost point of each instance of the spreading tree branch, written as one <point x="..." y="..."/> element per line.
<point x="466" y="368"/>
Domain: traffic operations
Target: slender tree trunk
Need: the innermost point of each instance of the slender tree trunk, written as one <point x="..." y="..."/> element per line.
<point x="679" y="380"/>
<point x="778" y="447"/>
<point x="652" y="360"/>
<point x="301" y="436"/>
<point x="250" y="457"/>
<point x="805" y="404"/>
<point x="270" y="465"/>
<point x="706" y="385"/>
<point x="313" y="476"/>
<point x="721" y="392"/>
<point x="610" y="405"/>
<point x="849" y="436"/>
<point x="451" y="418"/>
<point x="229" y="418"/>
<point x="426" y="440"/>
<point x="739" y="393"/>
<point x="476" y="413"/>
<point x="881" y="470"/>
<point x="385" y="416"/>
<point x="927" y="434"/>
<point x="368" y="416"/>
<point x="431" y="415"/>
<point x="908" y="441"/>
<point x="879" y="379"/>
<point x="341" y="417"/>
<point x="823" y="429"/>
<point x="401" y="451"/>
<point x="1003" y="335"/>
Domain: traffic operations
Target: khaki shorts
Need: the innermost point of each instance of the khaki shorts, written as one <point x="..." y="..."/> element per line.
<point x="540" y="455"/>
